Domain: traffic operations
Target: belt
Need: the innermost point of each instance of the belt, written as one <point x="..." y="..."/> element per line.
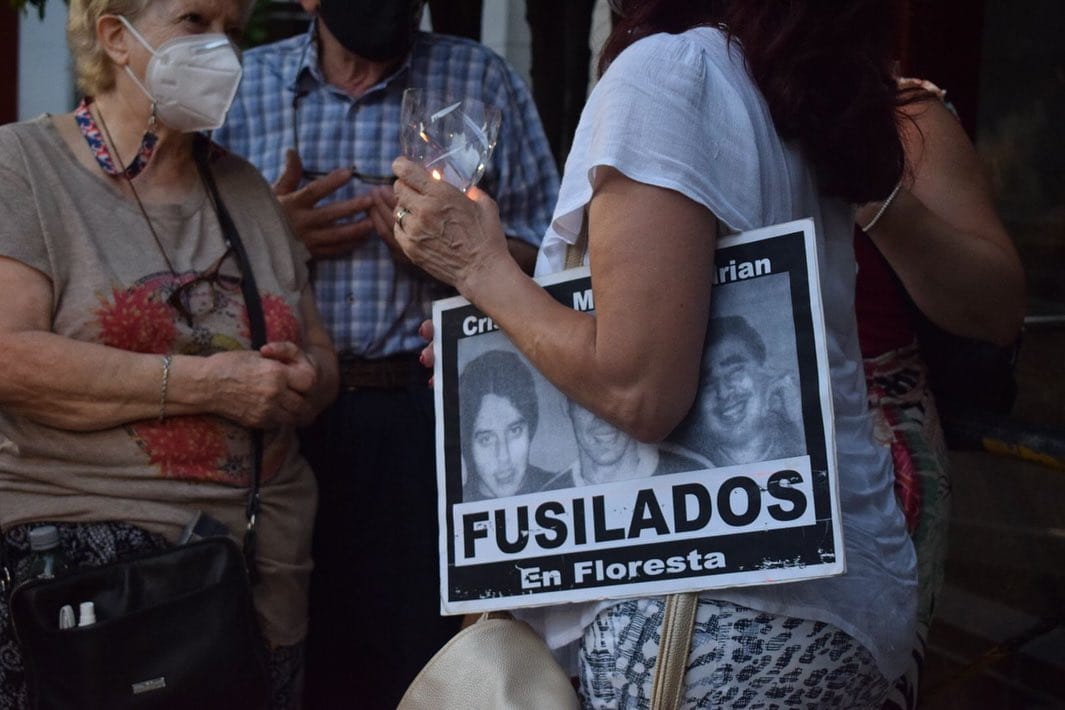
<point x="393" y="372"/>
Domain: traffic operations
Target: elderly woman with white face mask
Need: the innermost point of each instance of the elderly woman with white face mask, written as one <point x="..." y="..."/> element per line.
<point x="129" y="385"/>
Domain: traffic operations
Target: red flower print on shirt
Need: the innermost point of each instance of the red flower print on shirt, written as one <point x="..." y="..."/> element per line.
<point x="195" y="448"/>
<point x="281" y="323"/>
<point x="137" y="321"/>
<point x="188" y="448"/>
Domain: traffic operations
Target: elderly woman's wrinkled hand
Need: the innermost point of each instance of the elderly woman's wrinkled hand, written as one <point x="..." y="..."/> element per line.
<point x="384" y="219"/>
<point x="302" y="373"/>
<point x="451" y="235"/>
<point x="263" y="390"/>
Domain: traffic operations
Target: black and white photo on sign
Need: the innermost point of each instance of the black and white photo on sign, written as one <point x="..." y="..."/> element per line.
<point x="505" y="451"/>
<point x="542" y="501"/>
<point x="606" y="454"/>
<point x="509" y="449"/>
<point x="748" y="407"/>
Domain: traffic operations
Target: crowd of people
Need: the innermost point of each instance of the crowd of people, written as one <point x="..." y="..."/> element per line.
<point x="129" y="385"/>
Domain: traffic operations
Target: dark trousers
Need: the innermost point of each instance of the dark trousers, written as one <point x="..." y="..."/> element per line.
<point x="375" y="591"/>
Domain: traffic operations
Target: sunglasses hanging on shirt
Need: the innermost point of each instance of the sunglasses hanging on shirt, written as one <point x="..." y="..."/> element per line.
<point x="314" y="172"/>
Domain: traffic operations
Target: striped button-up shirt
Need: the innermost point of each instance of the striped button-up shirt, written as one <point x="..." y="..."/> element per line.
<point x="371" y="305"/>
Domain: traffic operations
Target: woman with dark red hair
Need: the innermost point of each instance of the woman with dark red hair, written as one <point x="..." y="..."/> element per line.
<point x="727" y="115"/>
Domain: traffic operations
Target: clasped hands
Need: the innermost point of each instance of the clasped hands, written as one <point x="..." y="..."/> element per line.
<point x="265" y="389"/>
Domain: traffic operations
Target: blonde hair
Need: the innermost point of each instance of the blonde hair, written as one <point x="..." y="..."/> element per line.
<point x="93" y="69"/>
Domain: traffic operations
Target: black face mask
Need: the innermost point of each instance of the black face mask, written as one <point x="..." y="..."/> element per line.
<point x="373" y="29"/>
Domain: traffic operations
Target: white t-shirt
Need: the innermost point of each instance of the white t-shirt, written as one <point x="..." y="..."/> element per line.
<point x="681" y="112"/>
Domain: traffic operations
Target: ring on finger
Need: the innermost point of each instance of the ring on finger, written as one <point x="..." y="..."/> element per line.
<point x="400" y="214"/>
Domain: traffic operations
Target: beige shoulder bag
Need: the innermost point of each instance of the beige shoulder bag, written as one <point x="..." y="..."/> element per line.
<point x="496" y="663"/>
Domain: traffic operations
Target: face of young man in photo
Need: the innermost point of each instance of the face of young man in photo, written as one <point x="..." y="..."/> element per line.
<point x="734" y="396"/>
<point x="600" y="442"/>
<point x="500" y="446"/>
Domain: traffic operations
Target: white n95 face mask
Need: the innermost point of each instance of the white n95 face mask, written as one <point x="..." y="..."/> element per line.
<point x="191" y="80"/>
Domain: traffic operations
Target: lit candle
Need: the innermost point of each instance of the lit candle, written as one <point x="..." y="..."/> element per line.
<point x="436" y="175"/>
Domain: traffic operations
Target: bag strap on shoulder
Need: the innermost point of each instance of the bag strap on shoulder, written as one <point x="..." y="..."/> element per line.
<point x="678" y="623"/>
<point x="257" y="323"/>
<point x="575" y="252"/>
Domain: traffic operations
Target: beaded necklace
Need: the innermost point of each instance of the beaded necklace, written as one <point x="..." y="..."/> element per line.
<point x="99" y="143"/>
<point x="99" y="148"/>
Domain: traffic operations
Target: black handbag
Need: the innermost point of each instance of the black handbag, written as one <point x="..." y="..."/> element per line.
<point x="176" y="629"/>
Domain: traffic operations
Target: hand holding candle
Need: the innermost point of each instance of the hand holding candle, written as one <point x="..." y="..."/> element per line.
<point x="451" y="137"/>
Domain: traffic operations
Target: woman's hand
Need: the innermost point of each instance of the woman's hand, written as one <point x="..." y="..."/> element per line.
<point x="301" y="372"/>
<point x="427" y="357"/>
<point x="261" y="389"/>
<point x="943" y="237"/>
<point x="383" y="215"/>
<point x="457" y="238"/>
<point x="281" y="384"/>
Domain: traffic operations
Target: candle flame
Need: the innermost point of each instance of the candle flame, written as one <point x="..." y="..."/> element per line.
<point x="436" y="175"/>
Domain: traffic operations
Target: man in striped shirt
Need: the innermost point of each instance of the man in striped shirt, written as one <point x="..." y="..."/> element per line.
<point x="319" y="115"/>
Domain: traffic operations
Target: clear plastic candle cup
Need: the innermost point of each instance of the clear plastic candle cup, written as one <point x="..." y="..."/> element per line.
<point x="451" y="137"/>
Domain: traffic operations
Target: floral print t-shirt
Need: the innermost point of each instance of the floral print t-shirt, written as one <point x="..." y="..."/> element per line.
<point x="113" y="285"/>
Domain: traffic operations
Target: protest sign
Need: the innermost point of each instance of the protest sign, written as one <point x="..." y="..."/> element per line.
<point x="542" y="502"/>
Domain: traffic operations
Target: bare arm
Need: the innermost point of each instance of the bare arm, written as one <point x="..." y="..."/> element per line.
<point x="636" y="362"/>
<point x="76" y="385"/>
<point x="943" y="237"/>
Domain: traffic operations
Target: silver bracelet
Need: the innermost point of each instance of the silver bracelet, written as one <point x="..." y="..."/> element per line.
<point x="167" y="359"/>
<point x="883" y="206"/>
